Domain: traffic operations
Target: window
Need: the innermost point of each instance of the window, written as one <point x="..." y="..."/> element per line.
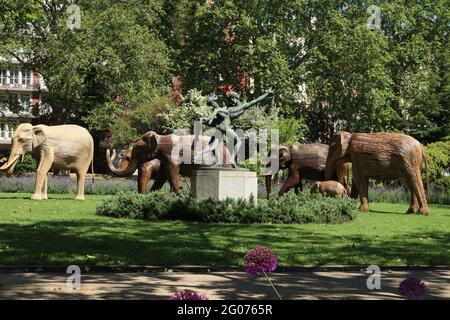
<point x="13" y="100"/>
<point x="3" y="76"/>
<point x="26" y="77"/>
<point x="25" y="102"/>
<point x="14" y="76"/>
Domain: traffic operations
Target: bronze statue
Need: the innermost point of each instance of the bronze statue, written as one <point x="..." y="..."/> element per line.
<point x="222" y="117"/>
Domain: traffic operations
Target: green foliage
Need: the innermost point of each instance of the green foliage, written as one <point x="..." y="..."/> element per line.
<point x="438" y="154"/>
<point x="326" y="66"/>
<point x="291" y="208"/>
<point x="181" y="119"/>
<point x="115" y="57"/>
<point x="291" y="130"/>
<point x="28" y="165"/>
<point x="256" y="118"/>
<point x="323" y="62"/>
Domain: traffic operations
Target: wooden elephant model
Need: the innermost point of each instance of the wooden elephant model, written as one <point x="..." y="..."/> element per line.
<point x="164" y="158"/>
<point x="381" y="156"/>
<point x="67" y="147"/>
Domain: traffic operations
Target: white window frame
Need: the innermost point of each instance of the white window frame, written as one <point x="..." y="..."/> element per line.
<point x="27" y="106"/>
<point x="3" y="76"/>
<point x="12" y="79"/>
<point x="26" y="77"/>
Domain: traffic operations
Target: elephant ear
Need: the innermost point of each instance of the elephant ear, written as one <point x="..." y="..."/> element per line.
<point x="39" y="136"/>
<point x="148" y="136"/>
<point x="153" y="146"/>
<point x="285" y="154"/>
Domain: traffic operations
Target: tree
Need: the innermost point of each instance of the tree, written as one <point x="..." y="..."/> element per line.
<point x="325" y="64"/>
<point x="114" y="61"/>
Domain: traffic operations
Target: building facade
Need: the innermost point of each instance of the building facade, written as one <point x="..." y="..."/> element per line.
<point x="20" y="90"/>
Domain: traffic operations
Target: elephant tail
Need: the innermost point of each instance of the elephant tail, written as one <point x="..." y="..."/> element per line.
<point x="427" y="169"/>
<point x="92" y="166"/>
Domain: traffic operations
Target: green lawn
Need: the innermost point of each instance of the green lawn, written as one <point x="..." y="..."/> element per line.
<point x="61" y="231"/>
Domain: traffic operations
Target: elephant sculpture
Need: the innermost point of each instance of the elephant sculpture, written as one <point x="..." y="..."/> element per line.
<point x="330" y="188"/>
<point x="306" y="161"/>
<point x="162" y="157"/>
<point x="69" y="147"/>
<point x="382" y="156"/>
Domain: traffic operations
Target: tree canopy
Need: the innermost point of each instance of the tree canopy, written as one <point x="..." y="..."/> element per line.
<point x="328" y="67"/>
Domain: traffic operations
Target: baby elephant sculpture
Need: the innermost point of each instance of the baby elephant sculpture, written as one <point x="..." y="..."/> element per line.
<point x="330" y="188"/>
<point x="67" y="147"/>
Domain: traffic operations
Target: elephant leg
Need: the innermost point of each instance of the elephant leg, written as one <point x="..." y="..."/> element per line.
<point x="144" y="175"/>
<point x="145" y="179"/>
<point x="292" y="180"/>
<point x="414" y="204"/>
<point x="44" y="188"/>
<point x="362" y="184"/>
<point x="81" y="176"/>
<point x="142" y="183"/>
<point x="41" y="176"/>
<point x="299" y="186"/>
<point x="268" y="179"/>
<point x="414" y="181"/>
<point x="172" y="172"/>
<point x="354" y="190"/>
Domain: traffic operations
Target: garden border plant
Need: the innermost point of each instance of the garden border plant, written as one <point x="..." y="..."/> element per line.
<point x="291" y="209"/>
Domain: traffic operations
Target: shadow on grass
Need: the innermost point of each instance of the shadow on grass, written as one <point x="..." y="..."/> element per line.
<point x="116" y="242"/>
<point x="388" y="212"/>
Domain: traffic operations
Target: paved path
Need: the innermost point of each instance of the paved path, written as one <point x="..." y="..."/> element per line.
<point x="218" y="285"/>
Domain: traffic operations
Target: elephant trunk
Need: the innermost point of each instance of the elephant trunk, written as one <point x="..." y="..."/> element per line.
<point x="127" y="171"/>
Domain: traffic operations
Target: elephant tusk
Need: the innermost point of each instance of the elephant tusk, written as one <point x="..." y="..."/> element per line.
<point x="109" y="155"/>
<point x="7" y="165"/>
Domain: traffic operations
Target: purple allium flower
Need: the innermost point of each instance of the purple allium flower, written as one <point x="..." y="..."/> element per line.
<point x="188" y="295"/>
<point x="412" y="288"/>
<point x="258" y="261"/>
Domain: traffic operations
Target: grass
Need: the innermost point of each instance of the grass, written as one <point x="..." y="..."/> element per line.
<point x="61" y="231"/>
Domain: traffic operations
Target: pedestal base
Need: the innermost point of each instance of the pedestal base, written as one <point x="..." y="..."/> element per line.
<point x="222" y="183"/>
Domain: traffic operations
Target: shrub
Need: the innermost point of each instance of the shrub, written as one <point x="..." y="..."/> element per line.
<point x="291" y="208"/>
<point x="291" y="130"/>
<point x="439" y="161"/>
<point x="26" y="166"/>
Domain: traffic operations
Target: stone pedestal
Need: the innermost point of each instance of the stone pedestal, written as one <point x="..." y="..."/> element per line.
<point x="222" y="183"/>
